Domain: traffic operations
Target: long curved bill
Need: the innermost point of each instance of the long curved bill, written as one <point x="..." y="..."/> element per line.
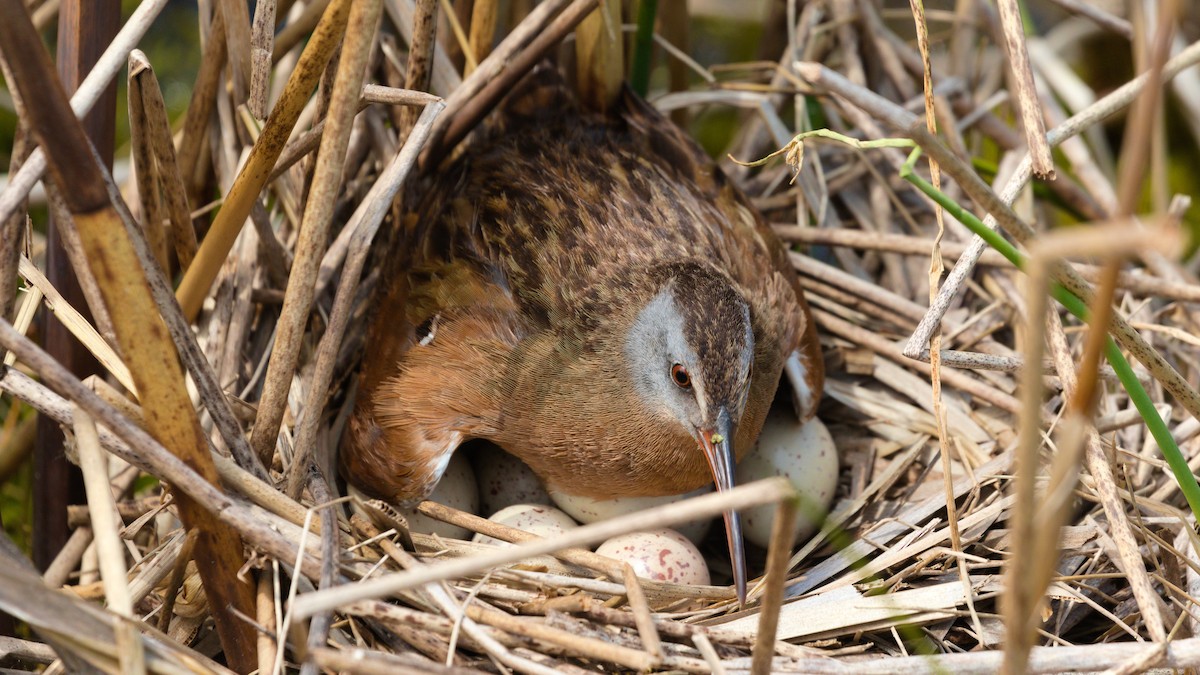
<point x="718" y="450"/>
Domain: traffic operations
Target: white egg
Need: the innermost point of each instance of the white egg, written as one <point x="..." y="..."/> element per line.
<point x="505" y="480"/>
<point x="544" y="521"/>
<point x="659" y="555"/>
<point x="456" y="489"/>
<point x="589" y="510"/>
<point x="804" y="454"/>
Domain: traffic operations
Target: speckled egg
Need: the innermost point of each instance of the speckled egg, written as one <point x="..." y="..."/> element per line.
<point x="544" y="521"/>
<point x="803" y="453"/>
<point x="659" y="555"/>
<point x="456" y="489"/>
<point x="505" y="480"/>
<point x="588" y="510"/>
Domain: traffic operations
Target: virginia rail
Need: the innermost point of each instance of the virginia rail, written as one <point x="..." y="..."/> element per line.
<point x="590" y="293"/>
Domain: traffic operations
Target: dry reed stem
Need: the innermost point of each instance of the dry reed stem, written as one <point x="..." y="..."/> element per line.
<point x="599" y="56"/>
<point x="1026" y="92"/>
<point x="265" y="606"/>
<point x="83" y="635"/>
<point x="420" y="55"/>
<point x="189" y="352"/>
<point x="72" y="245"/>
<point x="582" y="557"/>
<point x="1021" y="605"/>
<point x="1099" y="16"/>
<point x="484" y="15"/>
<point x="1136" y="282"/>
<point x="468" y="102"/>
<point x="79" y="326"/>
<point x="445" y="77"/>
<point x="783" y="537"/>
<point x="262" y="46"/>
<point x="200" y="107"/>
<point x="258" y="166"/>
<point x="936" y="268"/>
<point x="297" y="29"/>
<point x="237" y="46"/>
<point x="1074" y="436"/>
<point x="133" y="445"/>
<point x="442" y="599"/>
<point x="891" y="350"/>
<point x="105" y="525"/>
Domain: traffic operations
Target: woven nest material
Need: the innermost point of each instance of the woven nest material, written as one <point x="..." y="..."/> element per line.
<point x="943" y="550"/>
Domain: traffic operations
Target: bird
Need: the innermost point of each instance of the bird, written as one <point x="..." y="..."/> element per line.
<point x="588" y="291"/>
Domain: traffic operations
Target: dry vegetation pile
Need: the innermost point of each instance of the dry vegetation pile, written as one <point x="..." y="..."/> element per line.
<point x="1020" y="512"/>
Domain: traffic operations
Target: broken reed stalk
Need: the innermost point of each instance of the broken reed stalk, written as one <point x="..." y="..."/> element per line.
<point x="166" y="175"/>
<point x="1029" y="104"/>
<point x="314" y="229"/>
<point x="145" y="171"/>
<point x="253" y="176"/>
<point x="140" y="333"/>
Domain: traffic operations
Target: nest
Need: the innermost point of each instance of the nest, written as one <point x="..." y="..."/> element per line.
<point x="989" y="513"/>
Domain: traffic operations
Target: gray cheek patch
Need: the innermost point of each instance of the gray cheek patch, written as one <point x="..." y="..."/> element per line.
<point x="654" y="343"/>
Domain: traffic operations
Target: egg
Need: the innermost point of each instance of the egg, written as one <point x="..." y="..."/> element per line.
<point x="659" y="555"/>
<point x="804" y="454"/>
<point x="544" y="521"/>
<point x="588" y="510"/>
<point x="457" y="489"/>
<point x="505" y="480"/>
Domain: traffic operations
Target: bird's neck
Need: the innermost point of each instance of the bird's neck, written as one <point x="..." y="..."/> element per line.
<point x="580" y="425"/>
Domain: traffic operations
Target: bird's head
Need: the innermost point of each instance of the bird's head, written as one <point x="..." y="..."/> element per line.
<point x="691" y="351"/>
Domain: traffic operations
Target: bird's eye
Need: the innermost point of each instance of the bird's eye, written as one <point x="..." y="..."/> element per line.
<point x="681" y="377"/>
